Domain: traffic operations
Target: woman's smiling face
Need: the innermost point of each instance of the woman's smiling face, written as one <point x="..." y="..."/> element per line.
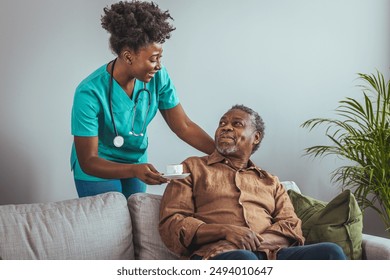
<point x="146" y="62"/>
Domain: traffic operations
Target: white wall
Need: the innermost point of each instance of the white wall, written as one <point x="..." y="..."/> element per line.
<point x="289" y="60"/>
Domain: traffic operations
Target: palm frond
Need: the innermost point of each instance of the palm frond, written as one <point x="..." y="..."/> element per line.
<point x="361" y="136"/>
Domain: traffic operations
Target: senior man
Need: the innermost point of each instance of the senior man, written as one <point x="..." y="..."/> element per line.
<point x="230" y="209"/>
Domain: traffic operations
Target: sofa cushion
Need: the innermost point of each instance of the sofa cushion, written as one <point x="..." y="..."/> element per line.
<point x="96" y="227"/>
<point x="339" y="221"/>
<point x="144" y="210"/>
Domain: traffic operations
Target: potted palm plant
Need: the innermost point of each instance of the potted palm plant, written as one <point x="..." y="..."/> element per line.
<point x="360" y="135"/>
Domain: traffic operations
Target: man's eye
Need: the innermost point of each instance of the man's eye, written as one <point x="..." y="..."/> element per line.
<point x="238" y="124"/>
<point x="221" y="123"/>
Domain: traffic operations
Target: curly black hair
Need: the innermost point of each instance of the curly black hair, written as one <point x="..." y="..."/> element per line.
<point x="257" y="122"/>
<point x="135" y="25"/>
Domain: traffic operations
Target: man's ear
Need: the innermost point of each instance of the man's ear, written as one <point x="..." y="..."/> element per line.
<point x="257" y="138"/>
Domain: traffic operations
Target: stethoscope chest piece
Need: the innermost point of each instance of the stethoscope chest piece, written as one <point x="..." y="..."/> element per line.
<point x="118" y="141"/>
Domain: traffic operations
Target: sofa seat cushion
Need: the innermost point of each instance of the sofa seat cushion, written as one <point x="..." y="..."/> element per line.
<point x="144" y="209"/>
<point x="96" y="227"/>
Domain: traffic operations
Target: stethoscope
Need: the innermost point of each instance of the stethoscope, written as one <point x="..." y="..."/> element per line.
<point x="119" y="140"/>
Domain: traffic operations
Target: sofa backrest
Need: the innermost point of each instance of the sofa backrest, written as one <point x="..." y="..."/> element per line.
<point x="96" y="227"/>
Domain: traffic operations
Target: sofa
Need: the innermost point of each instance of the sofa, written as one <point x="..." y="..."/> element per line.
<point x="103" y="227"/>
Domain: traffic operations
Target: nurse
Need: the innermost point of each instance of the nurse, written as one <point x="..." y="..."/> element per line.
<point x="113" y="106"/>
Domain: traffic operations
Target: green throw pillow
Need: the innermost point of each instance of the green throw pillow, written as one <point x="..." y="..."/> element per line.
<point x="339" y="221"/>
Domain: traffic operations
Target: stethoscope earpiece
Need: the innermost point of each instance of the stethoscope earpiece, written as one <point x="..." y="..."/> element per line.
<point x="135" y="134"/>
<point x="119" y="140"/>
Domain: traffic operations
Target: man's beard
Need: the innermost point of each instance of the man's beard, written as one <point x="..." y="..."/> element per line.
<point x="226" y="150"/>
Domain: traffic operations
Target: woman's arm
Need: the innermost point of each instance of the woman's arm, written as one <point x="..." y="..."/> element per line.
<point x="92" y="164"/>
<point x="187" y="130"/>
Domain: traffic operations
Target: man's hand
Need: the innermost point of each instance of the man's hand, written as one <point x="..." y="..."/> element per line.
<point x="273" y="241"/>
<point x="242" y="237"/>
<point x="235" y="237"/>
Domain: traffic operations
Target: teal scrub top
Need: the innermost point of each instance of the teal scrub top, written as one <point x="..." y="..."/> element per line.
<point x="91" y="116"/>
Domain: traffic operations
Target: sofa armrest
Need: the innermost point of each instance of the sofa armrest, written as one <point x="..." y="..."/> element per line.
<point x="290" y="185"/>
<point x="375" y="247"/>
<point x="144" y="210"/>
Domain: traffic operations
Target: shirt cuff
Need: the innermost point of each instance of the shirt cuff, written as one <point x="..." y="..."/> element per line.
<point x="188" y="230"/>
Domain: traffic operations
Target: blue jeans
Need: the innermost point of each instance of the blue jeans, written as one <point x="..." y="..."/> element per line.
<point x="318" y="251"/>
<point x="126" y="186"/>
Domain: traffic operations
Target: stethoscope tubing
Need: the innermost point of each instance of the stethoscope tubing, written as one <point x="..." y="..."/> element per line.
<point x="110" y="96"/>
<point x="119" y="140"/>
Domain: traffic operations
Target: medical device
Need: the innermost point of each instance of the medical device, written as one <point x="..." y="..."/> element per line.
<point x="118" y="139"/>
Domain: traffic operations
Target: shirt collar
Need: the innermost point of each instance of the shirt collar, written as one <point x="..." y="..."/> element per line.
<point x="216" y="157"/>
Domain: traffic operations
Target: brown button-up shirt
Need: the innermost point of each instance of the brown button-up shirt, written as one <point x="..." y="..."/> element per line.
<point x="217" y="193"/>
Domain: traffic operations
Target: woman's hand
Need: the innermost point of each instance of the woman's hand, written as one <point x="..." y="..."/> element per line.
<point x="92" y="164"/>
<point x="148" y="174"/>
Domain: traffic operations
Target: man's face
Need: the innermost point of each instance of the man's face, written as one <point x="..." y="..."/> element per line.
<point x="236" y="135"/>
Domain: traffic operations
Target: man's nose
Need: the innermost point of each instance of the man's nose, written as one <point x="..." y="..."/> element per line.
<point x="227" y="127"/>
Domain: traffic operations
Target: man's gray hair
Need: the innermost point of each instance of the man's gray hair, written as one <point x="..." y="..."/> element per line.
<point x="257" y="122"/>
